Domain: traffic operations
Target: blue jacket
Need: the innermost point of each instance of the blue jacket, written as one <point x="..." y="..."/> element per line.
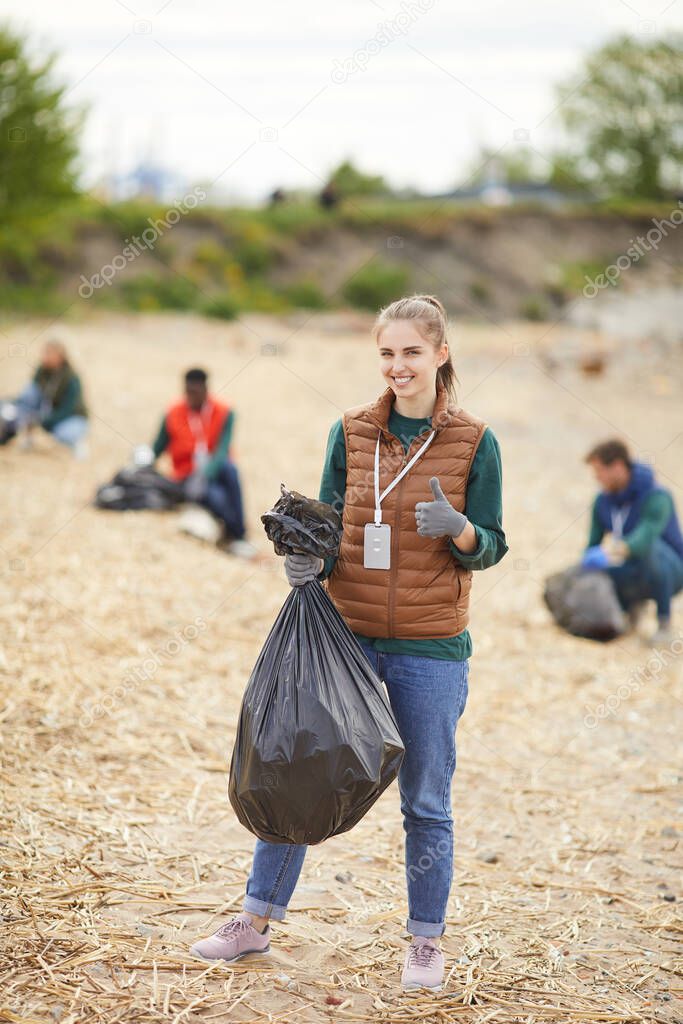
<point x="630" y="501"/>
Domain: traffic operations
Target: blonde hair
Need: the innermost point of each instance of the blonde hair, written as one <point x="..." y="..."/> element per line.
<point x="431" y="320"/>
<point x="57" y="345"/>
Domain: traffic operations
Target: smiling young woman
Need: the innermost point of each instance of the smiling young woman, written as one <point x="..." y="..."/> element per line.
<point x="418" y="481"/>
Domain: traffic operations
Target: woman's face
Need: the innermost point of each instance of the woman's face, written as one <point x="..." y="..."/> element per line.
<point x="52" y="357"/>
<point x="408" y="362"/>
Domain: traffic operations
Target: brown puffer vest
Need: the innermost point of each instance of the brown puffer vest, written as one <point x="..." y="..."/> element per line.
<point x="425" y="593"/>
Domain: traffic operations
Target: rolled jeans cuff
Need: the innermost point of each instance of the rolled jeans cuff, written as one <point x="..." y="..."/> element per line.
<point x="263" y="909"/>
<point x="430" y="929"/>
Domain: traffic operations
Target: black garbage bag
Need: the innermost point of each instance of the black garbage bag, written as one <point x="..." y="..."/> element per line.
<point x="9" y="420"/>
<point x="299" y="524"/>
<point x="317" y="742"/>
<point x="585" y="603"/>
<point x="139" y="487"/>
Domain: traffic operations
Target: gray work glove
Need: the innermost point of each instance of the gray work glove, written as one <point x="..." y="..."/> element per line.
<point x="195" y="486"/>
<point x="438" y="518"/>
<point x="302" y="568"/>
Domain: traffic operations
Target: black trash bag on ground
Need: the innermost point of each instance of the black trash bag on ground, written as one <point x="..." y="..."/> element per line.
<point x="139" y="487"/>
<point x="9" y="420"/>
<point x="585" y="603"/>
<point x="317" y="742"/>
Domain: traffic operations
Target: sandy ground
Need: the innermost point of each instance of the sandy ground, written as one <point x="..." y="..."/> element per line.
<point x="119" y="846"/>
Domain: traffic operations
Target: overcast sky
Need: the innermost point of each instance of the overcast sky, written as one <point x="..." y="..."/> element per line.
<point x="273" y="93"/>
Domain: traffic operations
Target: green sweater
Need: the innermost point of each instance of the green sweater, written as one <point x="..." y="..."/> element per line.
<point x="218" y="457"/>
<point x="483" y="508"/>
<point x="654" y="516"/>
<point x="62" y="388"/>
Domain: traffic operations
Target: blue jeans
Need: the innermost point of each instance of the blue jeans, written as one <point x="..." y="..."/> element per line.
<point x="71" y="430"/>
<point x="224" y="498"/>
<point x="428" y="696"/>
<point x="656" y="576"/>
<point x="31" y="407"/>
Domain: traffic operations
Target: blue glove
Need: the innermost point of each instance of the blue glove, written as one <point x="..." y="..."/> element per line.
<point x="438" y="518"/>
<point x="595" y="558"/>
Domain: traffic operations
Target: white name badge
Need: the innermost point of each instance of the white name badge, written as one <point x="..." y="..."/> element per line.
<point x="376" y="546"/>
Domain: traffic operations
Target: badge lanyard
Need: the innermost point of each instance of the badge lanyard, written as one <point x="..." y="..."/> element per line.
<point x="377" y="535"/>
<point x="619" y="517"/>
<point x="197" y="426"/>
<point x="380" y="497"/>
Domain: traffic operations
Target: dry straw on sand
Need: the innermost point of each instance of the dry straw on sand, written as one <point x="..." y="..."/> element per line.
<point x="118" y="844"/>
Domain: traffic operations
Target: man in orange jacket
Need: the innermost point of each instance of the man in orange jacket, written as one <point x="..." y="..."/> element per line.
<point x="197" y="433"/>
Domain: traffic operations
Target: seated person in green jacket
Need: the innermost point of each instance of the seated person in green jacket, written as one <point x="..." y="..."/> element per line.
<point x="635" y="535"/>
<point x="53" y="399"/>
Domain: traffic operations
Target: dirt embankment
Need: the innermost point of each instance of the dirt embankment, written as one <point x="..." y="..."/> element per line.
<point x="510" y="264"/>
<point x="485" y="264"/>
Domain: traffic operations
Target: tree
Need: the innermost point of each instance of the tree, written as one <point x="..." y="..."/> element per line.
<point x="38" y="134"/>
<point x="349" y="181"/>
<point x="623" y="112"/>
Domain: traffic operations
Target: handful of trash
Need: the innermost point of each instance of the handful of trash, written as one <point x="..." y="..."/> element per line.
<point x="296" y="524"/>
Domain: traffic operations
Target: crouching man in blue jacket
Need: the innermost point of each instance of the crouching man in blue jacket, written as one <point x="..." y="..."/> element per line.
<point x="635" y="535"/>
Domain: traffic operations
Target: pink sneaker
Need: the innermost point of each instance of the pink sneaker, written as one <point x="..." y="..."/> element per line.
<point x="424" y="965"/>
<point x="233" y="940"/>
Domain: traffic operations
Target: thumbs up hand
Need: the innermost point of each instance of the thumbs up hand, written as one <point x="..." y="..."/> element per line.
<point x="438" y="518"/>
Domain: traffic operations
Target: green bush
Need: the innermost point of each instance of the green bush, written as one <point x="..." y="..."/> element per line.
<point x="129" y="218"/>
<point x="222" y="307"/>
<point x="375" y="285"/>
<point x="306" y="295"/>
<point x="480" y="291"/>
<point x="573" y="275"/>
<point x="148" y="292"/>
<point x="34" y="250"/>
<point x="253" y="248"/>
<point x="533" y="308"/>
<point x="298" y="219"/>
<point x="258" y="296"/>
<point x="33" y="299"/>
<point x="212" y="256"/>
